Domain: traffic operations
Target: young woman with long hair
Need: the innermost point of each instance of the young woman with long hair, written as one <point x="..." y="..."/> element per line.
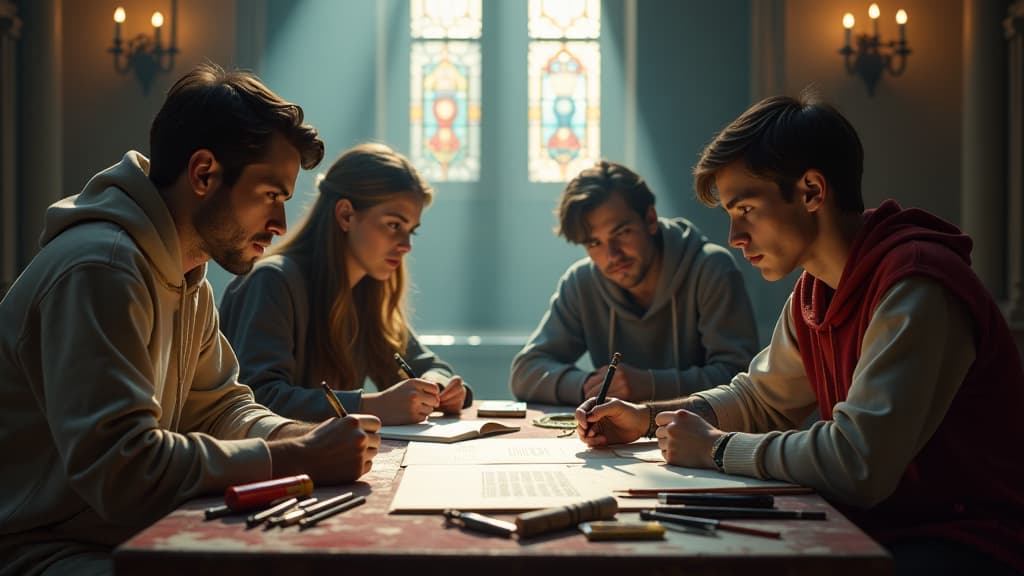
<point x="328" y="303"/>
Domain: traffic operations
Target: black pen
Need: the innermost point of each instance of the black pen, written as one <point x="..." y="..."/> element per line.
<point x="717" y="499"/>
<point x="409" y="373"/>
<point x="310" y="521"/>
<point x="608" y="377"/>
<point x="748" y="513"/>
<point x="479" y="522"/>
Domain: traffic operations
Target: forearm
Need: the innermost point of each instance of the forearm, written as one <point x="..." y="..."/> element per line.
<point x="697" y="405"/>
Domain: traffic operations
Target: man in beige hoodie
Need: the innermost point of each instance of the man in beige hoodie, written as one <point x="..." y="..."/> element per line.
<point x="118" y="392"/>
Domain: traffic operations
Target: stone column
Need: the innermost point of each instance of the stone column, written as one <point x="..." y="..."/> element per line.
<point x="983" y="153"/>
<point x="40" y="142"/>
<point x="10" y="27"/>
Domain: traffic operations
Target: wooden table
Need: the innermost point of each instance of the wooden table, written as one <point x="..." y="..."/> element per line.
<point x="367" y="539"/>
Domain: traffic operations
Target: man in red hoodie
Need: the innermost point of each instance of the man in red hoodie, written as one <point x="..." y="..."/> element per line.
<point x="888" y="334"/>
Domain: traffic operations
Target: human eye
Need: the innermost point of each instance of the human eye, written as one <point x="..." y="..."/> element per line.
<point x="273" y="196"/>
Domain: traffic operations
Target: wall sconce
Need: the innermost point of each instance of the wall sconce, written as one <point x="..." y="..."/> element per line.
<point x="145" y="55"/>
<point x="872" y="55"/>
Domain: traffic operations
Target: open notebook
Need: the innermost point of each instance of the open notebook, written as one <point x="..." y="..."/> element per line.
<point x="446" y="431"/>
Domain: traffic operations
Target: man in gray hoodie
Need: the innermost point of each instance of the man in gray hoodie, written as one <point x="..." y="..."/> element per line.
<point x="654" y="289"/>
<point x="119" y="392"/>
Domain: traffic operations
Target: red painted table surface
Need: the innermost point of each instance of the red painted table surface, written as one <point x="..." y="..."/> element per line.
<point x="367" y="538"/>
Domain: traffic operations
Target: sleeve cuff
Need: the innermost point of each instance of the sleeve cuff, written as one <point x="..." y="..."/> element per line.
<point x="741" y="454"/>
<point x="352" y="400"/>
<point x="722" y="401"/>
<point x="570" y="387"/>
<point x="266" y="426"/>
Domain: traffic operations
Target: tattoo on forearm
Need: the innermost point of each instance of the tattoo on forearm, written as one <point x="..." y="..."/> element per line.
<point x="702" y="408"/>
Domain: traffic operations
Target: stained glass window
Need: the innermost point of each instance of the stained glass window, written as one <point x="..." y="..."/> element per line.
<point x="444" y="111"/>
<point x="564" y="74"/>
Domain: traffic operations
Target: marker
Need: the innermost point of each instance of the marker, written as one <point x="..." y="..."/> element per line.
<point x="608" y="377"/>
<point x="748" y="513"/>
<point x="333" y="400"/>
<point x="409" y="373"/>
<point x="713" y="499"/>
<point x="256" y="494"/>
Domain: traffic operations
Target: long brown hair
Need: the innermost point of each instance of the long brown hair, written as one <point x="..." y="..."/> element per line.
<point x="354" y="332"/>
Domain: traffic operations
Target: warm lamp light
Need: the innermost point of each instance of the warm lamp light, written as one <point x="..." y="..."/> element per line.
<point x="144" y="54"/>
<point x="872" y="57"/>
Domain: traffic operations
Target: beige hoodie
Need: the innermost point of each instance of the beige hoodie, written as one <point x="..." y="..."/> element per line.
<point x="118" y="392"/>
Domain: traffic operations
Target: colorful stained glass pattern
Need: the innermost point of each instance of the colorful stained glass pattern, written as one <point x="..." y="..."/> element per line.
<point x="456" y="19"/>
<point x="445" y="110"/>
<point x="564" y="19"/>
<point x="564" y="109"/>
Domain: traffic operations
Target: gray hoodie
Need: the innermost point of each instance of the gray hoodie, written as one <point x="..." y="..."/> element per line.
<point x="698" y="332"/>
<point x="118" y="392"/>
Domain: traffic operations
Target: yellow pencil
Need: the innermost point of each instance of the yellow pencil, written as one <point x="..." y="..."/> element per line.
<point x="334" y="400"/>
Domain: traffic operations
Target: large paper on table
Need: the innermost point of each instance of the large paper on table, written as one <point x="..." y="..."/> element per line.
<point x="504" y="451"/>
<point x="518" y="487"/>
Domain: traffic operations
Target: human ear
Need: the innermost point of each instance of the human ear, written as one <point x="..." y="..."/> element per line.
<point x="343" y="213"/>
<point x="651" y="220"/>
<point x="204" y="172"/>
<point x="813" y="189"/>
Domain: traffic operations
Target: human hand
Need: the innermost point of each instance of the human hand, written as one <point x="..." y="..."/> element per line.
<point x="686" y="439"/>
<point x="614" y="422"/>
<point x="628" y="383"/>
<point x="453" y="396"/>
<point x="406" y="402"/>
<point x="337" y="451"/>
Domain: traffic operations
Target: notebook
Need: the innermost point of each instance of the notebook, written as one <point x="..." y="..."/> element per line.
<point x="446" y="431"/>
<point x="501" y="409"/>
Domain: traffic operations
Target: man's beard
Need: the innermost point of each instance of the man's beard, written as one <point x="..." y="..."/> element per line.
<point x="221" y="237"/>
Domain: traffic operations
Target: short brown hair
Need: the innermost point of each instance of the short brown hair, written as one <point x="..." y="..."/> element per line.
<point x="591" y="188"/>
<point x="779" y="139"/>
<point x="233" y="115"/>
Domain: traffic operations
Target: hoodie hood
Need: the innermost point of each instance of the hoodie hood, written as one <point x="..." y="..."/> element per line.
<point x="681" y="244"/>
<point x="885" y="228"/>
<point x="124" y="195"/>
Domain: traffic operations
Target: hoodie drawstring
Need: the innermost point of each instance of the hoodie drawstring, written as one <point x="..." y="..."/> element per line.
<point x="611" y="329"/>
<point x="675" y="334"/>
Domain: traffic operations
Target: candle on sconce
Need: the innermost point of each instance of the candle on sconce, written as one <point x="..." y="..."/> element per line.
<point x="901" y="19"/>
<point x="848" y="22"/>
<point x="118" y="19"/>
<point x="157" y="21"/>
<point x="874" y="12"/>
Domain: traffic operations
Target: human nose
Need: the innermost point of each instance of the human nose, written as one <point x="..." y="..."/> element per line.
<point x="278" y="221"/>
<point x="738" y="238"/>
<point x="405" y="243"/>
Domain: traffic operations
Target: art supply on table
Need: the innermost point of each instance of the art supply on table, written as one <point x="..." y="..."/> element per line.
<point x="608" y="377"/>
<point x="260" y="517"/>
<point x="501" y="409"/>
<point x="600" y="530"/>
<point x="707" y="524"/>
<point x="312" y="520"/>
<point x="715" y="499"/>
<point x="256" y="494"/>
<point x="410" y="373"/>
<point x="529" y="524"/>
<point x="479" y="523"/>
<point x="655" y="492"/>
<point x="333" y="400"/>
<point x="219" y="512"/>
<point x="290" y="515"/>
<point x="747" y="513"/>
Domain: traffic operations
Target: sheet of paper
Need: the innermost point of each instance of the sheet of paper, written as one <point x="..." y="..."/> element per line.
<point x="517" y="487"/>
<point x="646" y="450"/>
<point x="504" y="451"/>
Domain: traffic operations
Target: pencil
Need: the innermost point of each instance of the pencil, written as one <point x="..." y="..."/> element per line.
<point x="704" y="523"/>
<point x="608" y="377"/>
<point x="654" y="492"/>
<point x="334" y="400"/>
<point x="310" y="521"/>
<point x="410" y="373"/>
<point x="739" y="512"/>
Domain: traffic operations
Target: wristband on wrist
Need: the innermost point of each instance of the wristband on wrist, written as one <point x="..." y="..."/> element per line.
<point x="718" y="450"/>
<point x="651" y="426"/>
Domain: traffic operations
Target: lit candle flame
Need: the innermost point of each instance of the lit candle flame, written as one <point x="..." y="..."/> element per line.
<point x="901" y="17"/>
<point x="874" y="12"/>
<point x="119" y="15"/>
<point x="848" y="21"/>
<point x="157" y="19"/>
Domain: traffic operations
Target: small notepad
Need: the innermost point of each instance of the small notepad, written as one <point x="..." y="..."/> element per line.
<point x="501" y="409"/>
<point x="446" y="431"/>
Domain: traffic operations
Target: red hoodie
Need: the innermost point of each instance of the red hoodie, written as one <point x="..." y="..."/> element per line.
<point x="967" y="483"/>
